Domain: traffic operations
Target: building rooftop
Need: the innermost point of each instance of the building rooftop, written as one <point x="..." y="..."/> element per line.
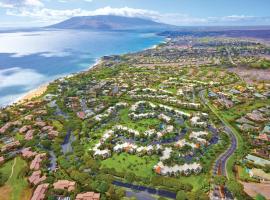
<point x="36" y="177"/>
<point x="27" y="153"/>
<point x="40" y="192"/>
<point x="64" y="185"/>
<point x="88" y="196"/>
<point x="258" y="160"/>
<point x="35" y="164"/>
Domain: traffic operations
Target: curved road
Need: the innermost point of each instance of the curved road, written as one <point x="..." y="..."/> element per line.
<point x="220" y="166"/>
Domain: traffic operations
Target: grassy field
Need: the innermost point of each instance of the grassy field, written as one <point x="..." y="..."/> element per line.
<point x="16" y="187"/>
<point x="139" y="125"/>
<point x="141" y="166"/>
<point x="197" y="181"/>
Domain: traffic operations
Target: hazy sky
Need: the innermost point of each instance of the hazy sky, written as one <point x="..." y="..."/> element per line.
<point x="14" y="13"/>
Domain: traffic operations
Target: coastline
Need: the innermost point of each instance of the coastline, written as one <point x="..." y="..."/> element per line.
<point x="40" y="90"/>
<point x="37" y="92"/>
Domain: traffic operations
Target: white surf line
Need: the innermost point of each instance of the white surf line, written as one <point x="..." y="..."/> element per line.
<point x="12" y="170"/>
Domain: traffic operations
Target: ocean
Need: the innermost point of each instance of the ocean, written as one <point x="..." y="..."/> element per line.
<point x="29" y="59"/>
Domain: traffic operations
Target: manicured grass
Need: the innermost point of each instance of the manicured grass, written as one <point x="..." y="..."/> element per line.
<point x="6" y="168"/>
<point x="19" y="137"/>
<point x="17" y="185"/>
<point x="141" y="166"/>
<point x="139" y="125"/>
<point x="197" y="181"/>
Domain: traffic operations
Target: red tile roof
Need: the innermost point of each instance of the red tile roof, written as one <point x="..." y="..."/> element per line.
<point x="53" y="134"/>
<point x="64" y="185"/>
<point x="27" y="153"/>
<point x="35" y="164"/>
<point x="40" y="192"/>
<point x="36" y="178"/>
<point x="29" y="135"/>
<point x="10" y="145"/>
<point x="88" y="196"/>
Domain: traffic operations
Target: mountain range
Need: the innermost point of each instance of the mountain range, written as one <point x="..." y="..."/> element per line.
<point x="111" y="23"/>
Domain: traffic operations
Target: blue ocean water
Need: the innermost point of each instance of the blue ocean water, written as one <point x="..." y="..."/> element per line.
<point x="31" y="58"/>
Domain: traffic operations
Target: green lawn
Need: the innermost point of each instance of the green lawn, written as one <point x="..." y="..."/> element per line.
<point x="6" y="168"/>
<point x="139" y="125"/>
<point x="19" y="137"/>
<point x="17" y="184"/>
<point x="197" y="181"/>
<point x="141" y="166"/>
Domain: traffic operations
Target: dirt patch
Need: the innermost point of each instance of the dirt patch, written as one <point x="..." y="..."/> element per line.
<point x="252" y="75"/>
<point x="26" y="194"/>
<point x="5" y="192"/>
<point x="252" y="189"/>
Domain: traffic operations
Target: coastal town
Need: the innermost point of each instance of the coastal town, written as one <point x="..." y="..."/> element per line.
<point x="184" y="120"/>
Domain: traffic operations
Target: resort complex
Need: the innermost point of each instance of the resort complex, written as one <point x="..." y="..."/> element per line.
<point x="188" y="119"/>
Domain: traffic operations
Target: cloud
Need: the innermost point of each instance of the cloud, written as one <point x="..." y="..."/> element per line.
<point x="65" y="1"/>
<point x="20" y="3"/>
<point x="54" y="15"/>
<point x="48" y="16"/>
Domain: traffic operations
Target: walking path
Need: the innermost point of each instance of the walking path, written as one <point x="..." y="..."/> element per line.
<point x="12" y="169"/>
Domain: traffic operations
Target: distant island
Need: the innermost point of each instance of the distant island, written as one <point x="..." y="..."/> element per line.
<point x="111" y="22"/>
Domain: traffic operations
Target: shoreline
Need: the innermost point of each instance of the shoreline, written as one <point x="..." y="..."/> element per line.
<point x="37" y="92"/>
<point x="40" y="90"/>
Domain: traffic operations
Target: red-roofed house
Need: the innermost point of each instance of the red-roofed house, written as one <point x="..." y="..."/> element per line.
<point x="47" y="128"/>
<point x="40" y="123"/>
<point x="27" y="153"/>
<point x="29" y="135"/>
<point x="40" y="192"/>
<point x="35" y="164"/>
<point x="53" y="134"/>
<point x="4" y="128"/>
<point x="64" y="185"/>
<point x="36" y="178"/>
<point x="28" y="117"/>
<point x="88" y="196"/>
<point x="264" y="136"/>
<point x="10" y="146"/>
<point x="81" y="115"/>
<point x="24" y="128"/>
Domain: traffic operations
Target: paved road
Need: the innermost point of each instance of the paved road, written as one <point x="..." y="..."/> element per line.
<point x="147" y="190"/>
<point x="221" y="162"/>
<point x="220" y="166"/>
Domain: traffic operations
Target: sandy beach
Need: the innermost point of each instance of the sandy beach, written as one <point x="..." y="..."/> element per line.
<point x="33" y="93"/>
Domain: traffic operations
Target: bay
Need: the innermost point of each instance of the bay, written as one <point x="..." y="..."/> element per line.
<point x="29" y="59"/>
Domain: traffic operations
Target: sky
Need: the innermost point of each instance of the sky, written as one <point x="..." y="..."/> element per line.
<point x="32" y="13"/>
